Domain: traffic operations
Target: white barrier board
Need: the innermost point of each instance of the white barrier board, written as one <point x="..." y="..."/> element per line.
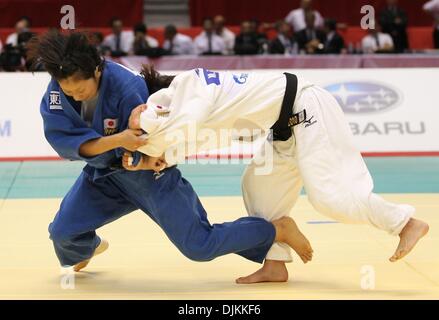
<point x="389" y="110"/>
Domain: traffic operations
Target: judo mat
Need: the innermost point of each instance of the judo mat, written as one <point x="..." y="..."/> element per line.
<point x="350" y="261"/>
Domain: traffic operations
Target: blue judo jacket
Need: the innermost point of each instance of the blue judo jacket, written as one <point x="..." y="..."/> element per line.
<point x="167" y="198"/>
<point x="120" y="91"/>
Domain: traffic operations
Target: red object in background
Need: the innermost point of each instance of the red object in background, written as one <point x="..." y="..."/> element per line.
<point x="93" y="13"/>
<point x="344" y="11"/>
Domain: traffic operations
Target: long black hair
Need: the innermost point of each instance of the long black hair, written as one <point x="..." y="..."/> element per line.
<point x="65" y="55"/>
<point x="154" y="80"/>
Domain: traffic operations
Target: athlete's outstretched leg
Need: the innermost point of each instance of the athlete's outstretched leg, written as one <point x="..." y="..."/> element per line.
<point x="336" y="179"/>
<point x="173" y="204"/>
<point x="87" y="206"/>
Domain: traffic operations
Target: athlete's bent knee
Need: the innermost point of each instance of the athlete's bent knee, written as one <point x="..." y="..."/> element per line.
<point x="197" y="252"/>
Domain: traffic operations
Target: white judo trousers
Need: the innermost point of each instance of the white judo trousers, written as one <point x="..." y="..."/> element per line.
<point x="321" y="157"/>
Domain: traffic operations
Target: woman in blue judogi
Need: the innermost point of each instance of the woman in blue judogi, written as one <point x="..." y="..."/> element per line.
<point x="85" y="112"/>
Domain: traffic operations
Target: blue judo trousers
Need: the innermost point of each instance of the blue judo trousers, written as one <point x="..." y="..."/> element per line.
<point x="104" y="192"/>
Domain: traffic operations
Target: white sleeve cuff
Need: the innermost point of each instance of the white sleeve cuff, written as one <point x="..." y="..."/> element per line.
<point x="149" y="121"/>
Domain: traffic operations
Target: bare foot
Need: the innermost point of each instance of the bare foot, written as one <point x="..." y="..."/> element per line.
<point x="271" y="271"/>
<point x="100" y="248"/>
<point x="288" y="232"/>
<point x="413" y="231"/>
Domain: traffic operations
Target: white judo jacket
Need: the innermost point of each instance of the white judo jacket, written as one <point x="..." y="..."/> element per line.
<point x="201" y="110"/>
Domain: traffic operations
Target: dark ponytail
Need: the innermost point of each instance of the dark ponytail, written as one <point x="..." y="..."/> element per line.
<point x="154" y="80"/>
<point x="65" y="55"/>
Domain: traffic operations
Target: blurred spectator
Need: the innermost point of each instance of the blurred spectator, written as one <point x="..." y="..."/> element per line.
<point x="334" y="43"/>
<point x="143" y="44"/>
<point x="432" y="7"/>
<point x="98" y="40"/>
<point x="177" y="43"/>
<point x="284" y="43"/>
<point x="120" y="42"/>
<point x="227" y="35"/>
<point x="141" y="35"/>
<point x="263" y="42"/>
<point x="296" y="18"/>
<point x="377" y="41"/>
<point x="13" y="57"/>
<point x="310" y="39"/>
<point x="208" y="42"/>
<point x="247" y="41"/>
<point x="22" y="25"/>
<point x="1" y="45"/>
<point x="23" y="39"/>
<point x="393" y="21"/>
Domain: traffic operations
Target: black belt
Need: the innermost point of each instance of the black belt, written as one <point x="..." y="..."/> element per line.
<point x="282" y="129"/>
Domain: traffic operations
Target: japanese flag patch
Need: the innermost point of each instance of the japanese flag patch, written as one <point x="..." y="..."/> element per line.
<point x="110" y="126"/>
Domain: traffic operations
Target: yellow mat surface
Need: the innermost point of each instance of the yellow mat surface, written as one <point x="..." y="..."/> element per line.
<point x="350" y="262"/>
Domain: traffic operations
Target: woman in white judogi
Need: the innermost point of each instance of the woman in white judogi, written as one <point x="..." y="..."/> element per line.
<point x="320" y="154"/>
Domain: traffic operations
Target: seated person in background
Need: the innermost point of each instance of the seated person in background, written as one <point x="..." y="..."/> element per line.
<point x="263" y="42"/>
<point x="377" y="41"/>
<point x="13" y="57"/>
<point x="98" y="41"/>
<point x="143" y="44"/>
<point x="23" y="39"/>
<point x="310" y="39"/>
<point x="296" y="18"/>
<point x="284" y="43"/>
<point x="208" y="42"/>
<point x="177" y="43"/>
<point x="120" y="42"/>
<point x="334" y="43"/>
<point x="227" y="35"/>
<point x="141" y="38"/>
<point x="432" y="7"/>
<point x="1" y="46"/>
<point x="22" y="25"/>
<point x="393" y="21"/>
<point x="247" y="41"/>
